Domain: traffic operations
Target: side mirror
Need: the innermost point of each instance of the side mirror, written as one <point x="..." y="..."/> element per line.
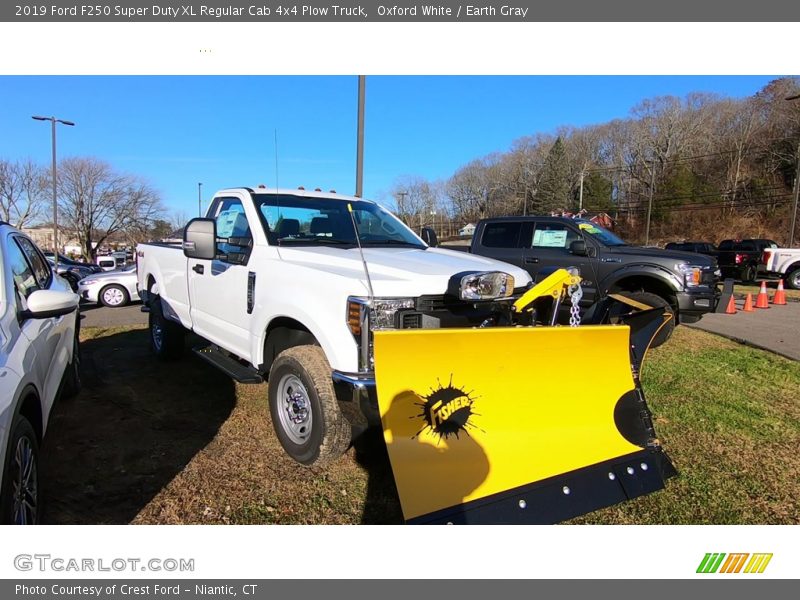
<point x="44" y="304"/>
<point x="428" y="236"/>
<point x="578" y="248"/>
<point x="200" y="239"/>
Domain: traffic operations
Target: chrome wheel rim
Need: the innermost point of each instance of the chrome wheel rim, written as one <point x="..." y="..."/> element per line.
<point x="795" y="280"/>
<point x="294" y="409"/>
<point x="25" y="483"/>
<point x="113" y="296"/>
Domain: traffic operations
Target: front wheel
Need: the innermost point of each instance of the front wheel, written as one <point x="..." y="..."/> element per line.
<point x="19" y="492"/>
<point x="305" y="414"/>
<point x="657" y="301"/>
<point x="114" y="296"/>
<point x="166" y="337"/>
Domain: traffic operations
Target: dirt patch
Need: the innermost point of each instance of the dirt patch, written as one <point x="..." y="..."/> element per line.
<point x="179" y="442"/>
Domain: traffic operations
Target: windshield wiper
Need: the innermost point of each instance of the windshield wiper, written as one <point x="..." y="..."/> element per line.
<point x="390" y="242"/>
<point x="313" y="241"/>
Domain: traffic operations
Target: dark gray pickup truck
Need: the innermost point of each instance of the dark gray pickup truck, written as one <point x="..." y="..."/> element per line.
<point x="684" y="282"/>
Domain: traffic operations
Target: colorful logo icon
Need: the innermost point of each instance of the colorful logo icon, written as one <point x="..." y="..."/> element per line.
<point x="719" y="562"/>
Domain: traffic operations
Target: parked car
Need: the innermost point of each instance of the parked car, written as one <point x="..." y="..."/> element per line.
<point x="741" y="259"/>
<point x="39" y="358"/>
<point x="66" y="260"/>
<point x="707" y="248"/>
<point x="783" y="263"/>
<point x="114" y="288"/>
<point x="70" y="273"/>
<point x="683" y="283"/>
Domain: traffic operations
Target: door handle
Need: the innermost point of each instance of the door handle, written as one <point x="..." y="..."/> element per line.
<point x="529" y="260"/>
<point x="198" y="269"/>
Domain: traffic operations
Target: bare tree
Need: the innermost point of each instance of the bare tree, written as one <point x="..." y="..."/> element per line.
<point x="23" y="191"/>
<point x="98" y="202"/>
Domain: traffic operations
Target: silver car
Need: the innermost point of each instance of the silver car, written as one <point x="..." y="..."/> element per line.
<point x="112" y="288"/>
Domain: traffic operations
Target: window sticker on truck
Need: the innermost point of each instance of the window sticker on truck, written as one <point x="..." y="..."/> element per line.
<point x="550" y="239"/>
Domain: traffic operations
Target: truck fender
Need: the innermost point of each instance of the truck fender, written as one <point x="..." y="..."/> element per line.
<point x="655" y="272"/>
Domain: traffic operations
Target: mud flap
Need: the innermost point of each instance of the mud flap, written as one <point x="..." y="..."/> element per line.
<point x="514" y="425"/>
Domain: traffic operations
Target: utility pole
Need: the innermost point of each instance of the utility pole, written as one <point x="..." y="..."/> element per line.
<point x="362" y="85"/>
<point x="580" y="193"/>
<point x="793" y="219"/>
<point x="650" y="202"/>
<point x="199" y="200"/>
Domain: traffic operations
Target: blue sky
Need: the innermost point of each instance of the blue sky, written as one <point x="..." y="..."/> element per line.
<point x="176" y="131"/>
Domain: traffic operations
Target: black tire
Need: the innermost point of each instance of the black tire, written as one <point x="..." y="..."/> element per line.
<point x="305" y="414"/>
<point x="166" y="337"/>
<point x="657" y="301"/>
<point x="115" y="300"/>
<point x="748" y="274"/>
<point x="20" y="472"/>
<point x="793" y="278"/>
<point x="72" y="376"/>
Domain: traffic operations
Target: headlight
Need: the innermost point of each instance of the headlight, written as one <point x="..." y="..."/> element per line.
<point x="381" y="313"/>
<point x="692" y="275"/>
<point x="88" y="281"/>
<point x="486" y="286"/>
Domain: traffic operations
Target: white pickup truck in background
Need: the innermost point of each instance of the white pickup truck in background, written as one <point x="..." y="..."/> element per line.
<point x="783" y="263"/>
<point x="278" y="284"/>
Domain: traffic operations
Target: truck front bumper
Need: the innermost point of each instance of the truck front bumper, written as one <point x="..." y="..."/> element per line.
<point x="693" y="305"/>
<point x="357" y="399"/>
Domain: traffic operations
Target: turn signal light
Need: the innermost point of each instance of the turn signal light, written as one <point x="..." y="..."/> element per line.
<point x="354" y="317"/>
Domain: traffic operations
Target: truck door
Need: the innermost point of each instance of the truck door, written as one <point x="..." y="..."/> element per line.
<point x="219" y="288"/>
<point x="547" y="244"/>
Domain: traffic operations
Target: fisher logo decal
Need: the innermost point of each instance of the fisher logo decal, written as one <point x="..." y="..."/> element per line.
<point x="734" y="563"/>
<point x="447" y="410"/>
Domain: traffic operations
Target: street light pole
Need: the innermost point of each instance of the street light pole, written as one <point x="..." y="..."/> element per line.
<point x="53" y="122"/>
<point x="199" y="200"/>
<point x="362" y="90"/>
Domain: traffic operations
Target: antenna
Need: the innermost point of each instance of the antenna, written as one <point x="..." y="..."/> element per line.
<point x="277" y="194"/>
<point x="361" y="252"/>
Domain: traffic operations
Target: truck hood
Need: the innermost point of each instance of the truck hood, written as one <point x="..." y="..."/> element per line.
<point x="671" y="256"/>
<point x="399" y="271"/>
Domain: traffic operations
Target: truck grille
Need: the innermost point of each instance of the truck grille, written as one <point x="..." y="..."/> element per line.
<point x="436" y="302"/>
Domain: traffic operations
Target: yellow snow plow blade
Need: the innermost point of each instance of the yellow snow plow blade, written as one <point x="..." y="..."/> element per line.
<point x="514" y="425"/>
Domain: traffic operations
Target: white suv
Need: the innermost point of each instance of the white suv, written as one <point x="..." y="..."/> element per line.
<point x="38" y="359"/>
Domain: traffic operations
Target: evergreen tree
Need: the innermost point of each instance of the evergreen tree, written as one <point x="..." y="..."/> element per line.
<point x="555" y="189"/>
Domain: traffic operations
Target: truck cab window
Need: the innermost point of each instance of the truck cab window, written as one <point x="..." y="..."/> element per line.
<point x="502" y="235"/>
<point x="233" y="230"/>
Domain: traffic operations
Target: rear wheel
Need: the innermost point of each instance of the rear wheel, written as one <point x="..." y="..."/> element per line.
<point x="19" y="493"/>
<point x="793" y="278"/>
<point x="166" y="337"/>
<point x="305" y="414"/>
<point x="114" y="296"/>
<point x="749" y="274"/>
<point x="657" y="301"/>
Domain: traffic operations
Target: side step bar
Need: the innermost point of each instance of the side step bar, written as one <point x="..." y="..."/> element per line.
<point x="228" y="365"/>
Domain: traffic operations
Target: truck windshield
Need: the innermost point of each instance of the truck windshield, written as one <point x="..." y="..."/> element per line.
<point x="604" y="236"/>
<point x="299" y="221"/>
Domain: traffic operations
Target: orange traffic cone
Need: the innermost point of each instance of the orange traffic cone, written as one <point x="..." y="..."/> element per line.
<point x="731" y="308"/>
<point x="748" y="304"/>
<point x="780" y="296"/>
<point x="762" y="301"/>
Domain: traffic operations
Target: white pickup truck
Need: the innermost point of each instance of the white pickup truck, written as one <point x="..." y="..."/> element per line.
<point x="282" y="287"/>
<point x="783" y="262"/>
